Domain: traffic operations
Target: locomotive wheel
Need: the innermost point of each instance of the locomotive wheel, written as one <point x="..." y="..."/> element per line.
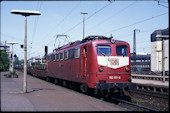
<point x="56" y="82"/>
<point x="70" y="85"/>
<point x="64" y="83"/>
<point x="83" y="88"/>
<point x="47" y="79"/>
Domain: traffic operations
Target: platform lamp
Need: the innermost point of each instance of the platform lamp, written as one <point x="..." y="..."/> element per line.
<point x="12" y="65"/>
<point x="25" y="13"/>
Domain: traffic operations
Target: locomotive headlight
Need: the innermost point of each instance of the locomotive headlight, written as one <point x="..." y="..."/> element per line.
<point x="112" y="40"/>
<point x="101" y="69"/>
<point x="127" y="68"/>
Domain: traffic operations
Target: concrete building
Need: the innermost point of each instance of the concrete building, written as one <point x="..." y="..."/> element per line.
<point x="142" y="64"/>
<point x="3" y="46"/>
<point x="156" y="50"/>
<point x="35" y="60"/>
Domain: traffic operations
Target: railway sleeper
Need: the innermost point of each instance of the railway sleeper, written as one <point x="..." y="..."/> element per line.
<point x="153" y="89"/>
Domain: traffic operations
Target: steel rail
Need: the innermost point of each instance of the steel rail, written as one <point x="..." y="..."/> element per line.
<point x="149" y="93"/>
<point x="141" y="106"/>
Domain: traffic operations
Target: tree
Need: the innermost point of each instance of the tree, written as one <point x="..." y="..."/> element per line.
<point x="16" y="61"/>
<point x="4" y="61"/>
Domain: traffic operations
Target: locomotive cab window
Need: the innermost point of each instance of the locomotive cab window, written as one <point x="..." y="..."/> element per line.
<point x="122" y="50"/>
<point x="103" y="50"/>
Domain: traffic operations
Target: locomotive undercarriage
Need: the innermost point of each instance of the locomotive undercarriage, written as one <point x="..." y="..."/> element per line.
<point x="102" y="90"/>
<point x="111" y="89"/>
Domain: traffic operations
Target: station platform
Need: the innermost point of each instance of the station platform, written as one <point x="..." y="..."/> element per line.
<point x="45" y="96"/>
<point x="151" y="82"/>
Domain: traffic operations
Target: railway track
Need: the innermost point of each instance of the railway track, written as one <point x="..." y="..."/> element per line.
<point x="149" y="93"/>
<point x="134" y="104"/>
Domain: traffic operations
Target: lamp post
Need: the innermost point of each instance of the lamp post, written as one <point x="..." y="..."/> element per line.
<point x="83" y="22"/>
<point x="12" y="66"/>
<point x="25" y="13"/>
<point x="9" y="52"/>
<point x="163" y="57"/>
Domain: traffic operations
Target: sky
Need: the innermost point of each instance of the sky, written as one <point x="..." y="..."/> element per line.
<point x="117" y="18"/>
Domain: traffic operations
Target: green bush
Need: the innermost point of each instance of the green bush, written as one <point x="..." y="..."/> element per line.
<point x="4" y="61"/>
<point x="11" y="74"/>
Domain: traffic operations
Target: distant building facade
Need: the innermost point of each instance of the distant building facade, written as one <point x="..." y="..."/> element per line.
<point x="35" y="60"/>
<point x="156" y="50"/>
<point x="3" y="46"/>
<point x="142" y="64"/>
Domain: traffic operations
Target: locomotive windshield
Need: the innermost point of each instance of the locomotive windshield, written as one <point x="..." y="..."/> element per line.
<point x="122" y="50"/>
<point x="103" y="50"/>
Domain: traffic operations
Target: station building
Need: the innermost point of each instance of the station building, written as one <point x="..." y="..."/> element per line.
<point x="156" y="50"/>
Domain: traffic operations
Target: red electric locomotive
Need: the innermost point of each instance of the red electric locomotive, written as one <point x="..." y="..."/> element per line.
<point x="97" y="62"/>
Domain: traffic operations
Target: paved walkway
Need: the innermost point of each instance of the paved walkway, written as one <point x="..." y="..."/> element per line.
<point x="151" y="82"/>
<point x="44" y="96"/>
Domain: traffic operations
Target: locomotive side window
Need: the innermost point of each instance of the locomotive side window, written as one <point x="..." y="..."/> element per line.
<point x="61" y="56"/>
<point x="65" y="55"/>
<point x="122" y="50"/>
<point x="57" y="57"/>
<point x="74" y="53"/>
<point x="71" y="54"/>
<point x="52" y="57"/>
<point x="77" y="52"/>
<point x="103" y="50"/>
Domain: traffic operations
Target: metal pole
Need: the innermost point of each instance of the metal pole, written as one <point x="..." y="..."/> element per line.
<point x="83" y="24"/>
<point x="25" y="58"/>
<point x="134" y="50"/>
<point x="163" y="60"/>
<point x="12" y="61"/>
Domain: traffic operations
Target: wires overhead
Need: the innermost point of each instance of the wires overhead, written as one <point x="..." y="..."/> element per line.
<point x="136" y="23"/>
<point x="69" y="13"/>
<point x="79" y="22"/>
<point x="110" y="17"/>
<point x="88" y="18"/>
<point x="38" y="8"/>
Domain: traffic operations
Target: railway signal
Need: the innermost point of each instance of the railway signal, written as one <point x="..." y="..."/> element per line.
<point x="46" y="50"/>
